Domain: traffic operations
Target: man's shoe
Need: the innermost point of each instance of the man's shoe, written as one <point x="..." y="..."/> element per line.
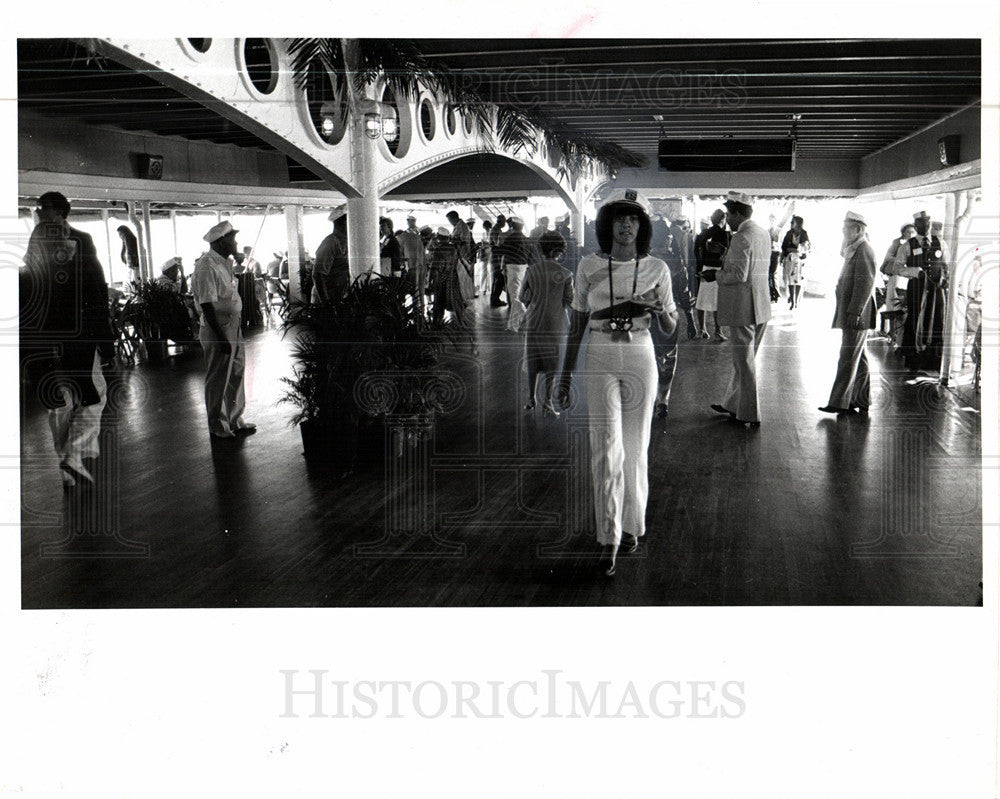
<point x="661" y="410"/>
<point x="720" y="409"/>
<point x="630" y="543"/>
<point x="223" y="434"/>
<point x="835" y="409"/>
<point x="77" y="472"/>
<point x="247" y="429"/>
<point x="751" y="425"/>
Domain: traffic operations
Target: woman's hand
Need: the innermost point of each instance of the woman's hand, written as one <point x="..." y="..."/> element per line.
<point x="649" y="300"/>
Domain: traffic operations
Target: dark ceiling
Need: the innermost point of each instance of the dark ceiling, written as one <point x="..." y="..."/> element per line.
<point x="854" y="96"/>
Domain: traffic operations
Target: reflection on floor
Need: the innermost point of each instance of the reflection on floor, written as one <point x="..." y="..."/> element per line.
<point x="808" y="510"/>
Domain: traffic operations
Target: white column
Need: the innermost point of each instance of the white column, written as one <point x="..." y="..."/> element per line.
<point x="954" y="320"/>
<point x="362" y="232"/>
<point x="576" y="214"/>
<point x="107" y="238"/>
<point x="147" y="222"/>
<point x="362" y="212"/>
<point x="173" y="223"/>
<point x="296" y="250"/>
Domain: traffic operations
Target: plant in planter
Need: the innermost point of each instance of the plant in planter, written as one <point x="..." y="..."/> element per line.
<point x="157" y="313"/>
<point x="361" y="360"/>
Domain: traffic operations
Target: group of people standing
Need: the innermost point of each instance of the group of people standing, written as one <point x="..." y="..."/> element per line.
<point x="627" y="298"/>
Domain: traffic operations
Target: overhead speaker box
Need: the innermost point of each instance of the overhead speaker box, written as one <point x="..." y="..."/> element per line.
<point x="727" y="155"/>
<point x="949" y="149"/>
<point x="150" y="166"/>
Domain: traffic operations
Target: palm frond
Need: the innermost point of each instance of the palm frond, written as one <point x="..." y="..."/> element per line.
<point x="327" y="53"/>
<point x="515" y="131"/>
<point x="397" y="61"/>
<point x="404" y="68"/>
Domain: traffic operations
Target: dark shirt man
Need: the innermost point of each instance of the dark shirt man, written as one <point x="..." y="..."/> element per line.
<point x="332" y="270"/>
<point x="67" y="306"/>
<point x="496" y="262"/>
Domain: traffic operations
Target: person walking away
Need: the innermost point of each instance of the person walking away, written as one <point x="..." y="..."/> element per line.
<point x="713" y="245"/>
<point x="496" y="263"/>
<point x="517" y="256"/>
<point x="332" y="271"/>
<point x="71" y="313"/>
<point x="547" y="293"/>
<point x="854" y="316"/>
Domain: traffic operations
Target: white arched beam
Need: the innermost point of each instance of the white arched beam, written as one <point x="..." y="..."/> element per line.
<point x="276" y="122"/>
<point x="415" y="169"/>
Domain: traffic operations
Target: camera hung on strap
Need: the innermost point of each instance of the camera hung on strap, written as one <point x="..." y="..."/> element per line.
<point x="620" y="327"/>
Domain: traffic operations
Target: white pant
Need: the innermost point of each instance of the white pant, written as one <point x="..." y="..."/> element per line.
<point x="621" y="380"/>
<point x="225" y="398"/>
<point x="75" y="427"/>
<point x="741" y="395"/>
<point x="482" y="277"/>
<point x="515" y="277"/>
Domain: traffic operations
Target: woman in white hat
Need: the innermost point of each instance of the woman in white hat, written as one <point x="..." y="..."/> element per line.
<point x="617" y="291"/>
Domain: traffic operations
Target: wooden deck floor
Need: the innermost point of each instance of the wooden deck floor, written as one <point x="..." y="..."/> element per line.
<point x="810" y="510"/>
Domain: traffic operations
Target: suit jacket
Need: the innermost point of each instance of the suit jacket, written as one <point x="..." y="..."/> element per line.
<point x="68" y="297"/>
<point x="744" y="295"/>
<point x="856" y="288"/>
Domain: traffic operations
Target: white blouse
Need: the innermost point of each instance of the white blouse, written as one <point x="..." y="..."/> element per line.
<point x="592" y="291"/>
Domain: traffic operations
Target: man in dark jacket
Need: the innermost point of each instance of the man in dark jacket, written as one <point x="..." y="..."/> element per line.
<point x="68" y="308"/>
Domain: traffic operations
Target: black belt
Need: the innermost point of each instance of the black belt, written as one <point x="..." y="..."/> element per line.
<point x="631" y="309"/>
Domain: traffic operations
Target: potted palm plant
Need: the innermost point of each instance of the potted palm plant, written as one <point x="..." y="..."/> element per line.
<point x="360" y="360"/>
<point x="157" y="314"/>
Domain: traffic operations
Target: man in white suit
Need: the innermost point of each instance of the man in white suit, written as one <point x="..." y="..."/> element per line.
<point x="744" y="305"/>
<point x="855" y="316"/>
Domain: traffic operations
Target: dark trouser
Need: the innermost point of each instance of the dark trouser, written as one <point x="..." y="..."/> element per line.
<point x="499" y="284"/>
<point x="73" y="371"/>
<point x="771" y="279"/>
<point x="851" y="387"/>
<point x="665" y="349"/>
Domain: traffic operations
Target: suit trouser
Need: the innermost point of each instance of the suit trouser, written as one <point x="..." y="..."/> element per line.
<point x="852" y="385"/>
<point x="665" y="348"/>
<point x="741" y="395"/>
<point x="225" y="397"/>
<point x="498" y="283"/>
<point x="621" y="391"/>
<point x="515" y="277"/>
<point x="74" y="426"/>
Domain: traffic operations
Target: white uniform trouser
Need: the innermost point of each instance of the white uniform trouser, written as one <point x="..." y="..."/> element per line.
<point x="225" y="397"/>
<point x="852" y="385"/>
<point x="75" y="427"/>
<point x="621" y="382"/>
<point x="515" y="277"/>
<point x="482" y="277"/>
<point x="741" y="395"/>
